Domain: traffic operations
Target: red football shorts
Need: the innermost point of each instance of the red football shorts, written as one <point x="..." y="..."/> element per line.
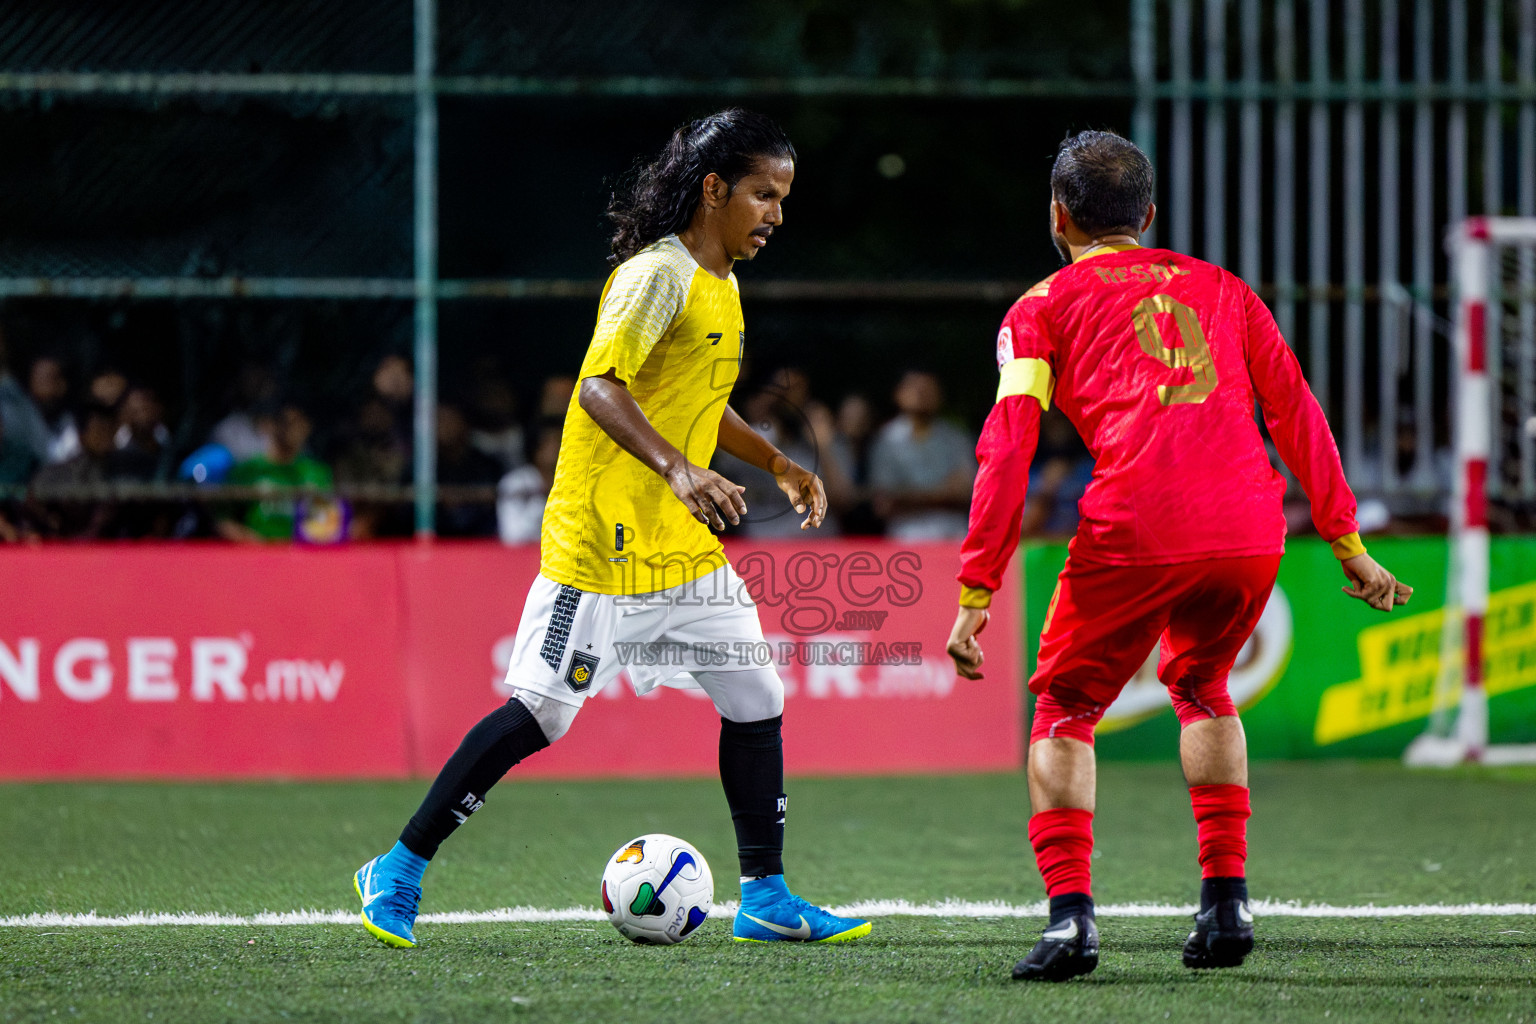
<point x="1104" y="619"/>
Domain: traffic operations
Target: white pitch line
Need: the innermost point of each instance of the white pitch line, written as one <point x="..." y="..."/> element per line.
<point x="866" y="908"/>
<point x="1269" y="908"/>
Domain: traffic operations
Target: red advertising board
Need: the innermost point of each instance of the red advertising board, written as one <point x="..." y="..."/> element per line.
<point x="210" y="661"/>
<point x="199" y="661"/>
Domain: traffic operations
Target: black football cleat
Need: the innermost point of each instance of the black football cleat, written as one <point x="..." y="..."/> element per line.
<point x="1064" y="951"/>
<point x="1223" y="936"/>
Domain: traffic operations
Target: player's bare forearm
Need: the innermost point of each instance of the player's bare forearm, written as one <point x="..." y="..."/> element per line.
<point x="737" y="438"/>
<point x="709" y="497"/>
<point x="612" y="407"/>
<point x="803" y="488"/>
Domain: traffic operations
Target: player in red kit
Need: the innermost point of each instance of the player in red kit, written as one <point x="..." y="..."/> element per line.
<point x="1157" y="359"/>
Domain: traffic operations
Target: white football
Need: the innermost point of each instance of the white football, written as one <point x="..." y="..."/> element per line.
<point x="657" y="890"/>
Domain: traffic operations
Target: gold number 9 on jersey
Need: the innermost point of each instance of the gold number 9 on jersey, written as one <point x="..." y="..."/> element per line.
<point x="1195" y="353"/>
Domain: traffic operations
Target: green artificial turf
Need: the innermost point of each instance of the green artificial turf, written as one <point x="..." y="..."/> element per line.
<point x="1340" y="833"/>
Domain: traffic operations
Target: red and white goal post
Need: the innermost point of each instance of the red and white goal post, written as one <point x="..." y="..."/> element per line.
<point x="1494" y="265"/>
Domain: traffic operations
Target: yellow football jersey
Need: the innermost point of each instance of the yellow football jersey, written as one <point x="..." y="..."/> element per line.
<point x="673" y="332"/>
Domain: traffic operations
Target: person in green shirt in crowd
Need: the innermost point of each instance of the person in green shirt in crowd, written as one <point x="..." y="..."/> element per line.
<point x="284" y="465"/>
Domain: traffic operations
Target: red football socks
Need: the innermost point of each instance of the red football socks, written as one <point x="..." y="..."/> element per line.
<point x="1063" y="842"/>
<point x="1221" y="821"/>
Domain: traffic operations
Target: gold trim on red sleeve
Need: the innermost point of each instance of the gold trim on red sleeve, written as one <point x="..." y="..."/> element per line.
<point x="975" y="597"/>
<point x="1347" y="546"/>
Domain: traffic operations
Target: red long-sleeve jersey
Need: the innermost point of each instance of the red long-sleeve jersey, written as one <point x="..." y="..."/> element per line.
<point x="1157" y="359"/>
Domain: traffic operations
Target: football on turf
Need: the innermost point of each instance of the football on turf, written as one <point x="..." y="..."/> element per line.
<point x="657" y="890"/>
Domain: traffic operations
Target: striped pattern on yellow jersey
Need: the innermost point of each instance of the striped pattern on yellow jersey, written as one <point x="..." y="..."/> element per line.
<point x="673" y="332"/>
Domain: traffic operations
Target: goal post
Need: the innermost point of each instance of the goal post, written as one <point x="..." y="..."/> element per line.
<point x="1494" y="433"/>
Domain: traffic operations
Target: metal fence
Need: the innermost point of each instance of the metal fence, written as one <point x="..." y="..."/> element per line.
<point x="1324" y="148"/>
<point x="1319" y="148"/>
<point x="402" y="59"/>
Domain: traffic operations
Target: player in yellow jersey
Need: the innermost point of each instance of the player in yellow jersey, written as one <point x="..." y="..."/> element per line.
<point x="628" y="556"/>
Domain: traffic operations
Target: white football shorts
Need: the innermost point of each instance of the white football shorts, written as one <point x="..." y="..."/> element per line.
<point x="571" y="643"/>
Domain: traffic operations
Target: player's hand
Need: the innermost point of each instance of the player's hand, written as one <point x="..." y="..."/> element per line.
<point x="804" y="491"/>
<point x="1374" y="585"/>
<point x="963" y="647"/>
<point x="707" y="495"/>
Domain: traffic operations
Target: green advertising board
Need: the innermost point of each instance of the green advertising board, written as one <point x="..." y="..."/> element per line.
<point x="1326" y="676"/>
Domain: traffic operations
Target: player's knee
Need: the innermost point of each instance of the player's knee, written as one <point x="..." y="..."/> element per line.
<point x="1195" y="701"/>
<point x="748" y="696"/>
<point x="772" y="697"/>
<point x="554" y="717"/>
<point x="761" y="702"/>
<point x="1056" y="718"/>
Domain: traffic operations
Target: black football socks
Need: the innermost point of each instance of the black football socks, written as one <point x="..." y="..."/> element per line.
<point x="752" y="772"/>
<point x="1219" y="890"/>
<point x="1069" y="905"/>
<point x="488" y="751"/>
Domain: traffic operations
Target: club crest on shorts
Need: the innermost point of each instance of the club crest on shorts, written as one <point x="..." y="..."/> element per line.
<point x="583" y="667"/>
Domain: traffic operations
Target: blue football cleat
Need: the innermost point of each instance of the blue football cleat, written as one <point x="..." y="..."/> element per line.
<point x="771" y="913"/>
<point x="389" y="903"/>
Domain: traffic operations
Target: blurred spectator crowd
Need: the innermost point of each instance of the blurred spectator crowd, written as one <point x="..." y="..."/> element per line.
<point x="92" y="457"/>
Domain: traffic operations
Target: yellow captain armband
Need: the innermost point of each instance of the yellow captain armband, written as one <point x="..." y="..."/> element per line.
<point x="1027" y="376"/>
<point x="975" y="597"/>
<point x="1347" y="546"/>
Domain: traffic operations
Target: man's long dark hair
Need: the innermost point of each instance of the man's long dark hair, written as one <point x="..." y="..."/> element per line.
<point x="1105" y="182"/>
<point x="658" y="199"/>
